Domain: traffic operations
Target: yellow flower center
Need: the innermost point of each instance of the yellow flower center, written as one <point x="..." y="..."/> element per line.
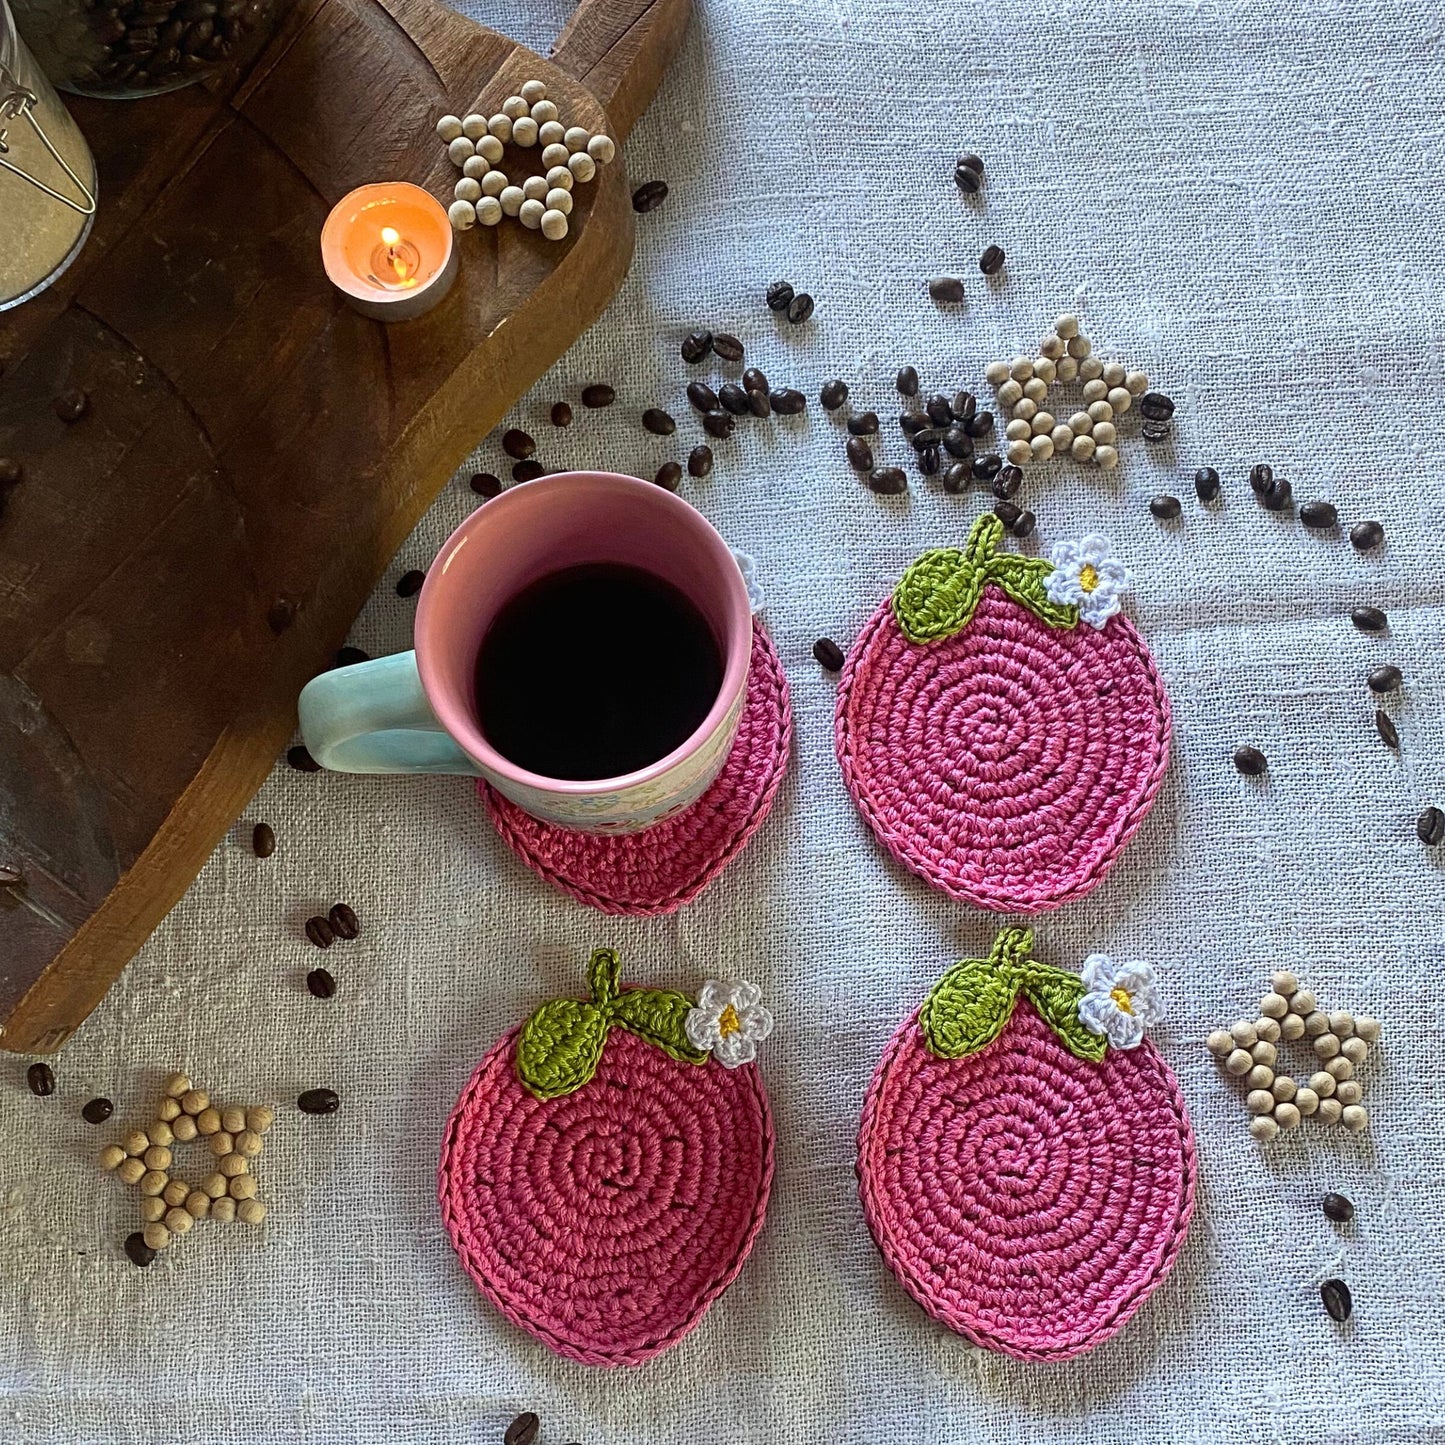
<point x="1121" y="997"/>
<point x="1088" y="577"/>
<point x="728" y="1022"/>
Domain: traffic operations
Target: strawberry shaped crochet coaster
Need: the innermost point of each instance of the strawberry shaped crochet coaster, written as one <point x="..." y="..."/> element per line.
<point x="1025" y="1158"/>
<point x="1000" y="725"/>
<point x="607" y="1168"/>
<point x="659" y="869"/>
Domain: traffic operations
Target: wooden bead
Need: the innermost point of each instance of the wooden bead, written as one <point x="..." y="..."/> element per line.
<point x="248" y="1144"/>
<point x="1347" y="1091"/>
<point x="184" y="1129"/>
<point x="158" y="1157"/>
<point x="1284" y="983"/>
<point x="558" y="200"/>
<point x="1323" y="1083"/>
<point x="1094" y="391"/>
<point x="1354" y="1118"/>
<point x="1113" y="374"/>
<point x="1119" y="399"/>
<point x="554" y="223"/>
<point x="1291" y="1027"/>
<point x="1306" y="1101"/>
<point x="1264" y="1052"/>
<point x="576" y="138"/>
<point x="1355" y="1050"/>
<point x="178" y="1221"/>
<point x="494" y="183"/>
<point x="1238" y="1063"/>
<point x="499" y="127"/>
<point x="534" y="188"/>
<point x="601" y="149"/>
<point x="1019" y="453"/>
<point x="1042" y="423"/>
<point x="449" y="127"/>
<point x="161" y="1133"/>
<point x="168" y="1110"/>
<point x="533" y="91"/>
<point x="1272" y="1006"/>
<point x="222" y="1144"/>
<point x="551" y="133"/>
<point x="214" y="1185"/>
<point x="1316" y="1023"/>
<point x="582" y="166"/>
<point x="490" y="149"/>
<point x="514" y="107"/>
<point x="1267" y="1029"/>
<point x="1260" y="1076"/>
<point x="1326" y="1046"/>
<point x="1341" y="1069"/>
<point x="489" y="211"/>
<point x="1043" y="448"/>
<point x="1330" y="1111"/>
<point x="1243" y="1033"/>
<point x="243" y="1186"/>
<point x="1010" y="393"/>
<point x="459" y="150"/>
<point x="1259" y="1101"/>
<point x="1302" y="1002"/>
<point x="1082" y="450"/>
<point x="136" y="1143"/>
<point x="1220" y="1043"/>
<point x="1052" y="347"/>
<point x="530" y="214"/>
<point x="524" y="131"/>
<point x="1106" y="456"/>
<point x="474" y="126"/>
<point x="175" y="1191"/>
<point x="195" y="1101"/>
<point x="1367" y="1028"/>
<point x="1068" y="369"/>
<point x="156" y="1235"/>
<point x="1036" y="389"/>
<point x="1104" y="433"/>
<point x="1045" y="370"/>
<point x="1081" y="424"/>
<point x="1025" y="408"/>
<point x="1100" y="411"/>
<point x="1079" y="347"/>
<point x="153" y="1181"/>
<point x="112" y="1156"/>
<point x="1090" y="368"/>
<point x="1062" y="438"/>
<point x="544" y="110"/>
<point x="475" y="167"/>
<point x="1067" y="326"/>
<point x="176" y="1085"/>
<point x="1136" y="383"/>
<point x="469" y="192"/>
<point x="1283" y="1088"/>
<point x="1263" y="1128"/>
<point x="223" y="1210"/>
<point x="208" y="1121"/>
<point x="198" y="1205"/>
<point x="250" y="1211"/>
<point x="511" y="200"/>
<point x="1021" y="368"/>
<point x="152" y="1209"/>
<point x="234" y="1164"/>
<point x="131" y="1171"/>
<point x="1342" y="1025"/>
<point x="1287" y="1115"/>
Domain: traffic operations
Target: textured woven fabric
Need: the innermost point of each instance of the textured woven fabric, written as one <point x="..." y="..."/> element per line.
<point x="1244" y="200"/>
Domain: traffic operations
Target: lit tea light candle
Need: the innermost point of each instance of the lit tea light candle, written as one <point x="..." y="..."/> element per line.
<point x="389" y="250"/>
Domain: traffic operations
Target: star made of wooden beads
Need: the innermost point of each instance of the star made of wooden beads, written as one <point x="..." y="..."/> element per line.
<point x="570" y="156"/>
<point x="170" y="1206"/>
<point x="1090" y="433"/>
<point x="1341" y="1043"/>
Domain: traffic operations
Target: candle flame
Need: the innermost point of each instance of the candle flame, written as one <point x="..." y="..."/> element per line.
<point x="389" y="236"/>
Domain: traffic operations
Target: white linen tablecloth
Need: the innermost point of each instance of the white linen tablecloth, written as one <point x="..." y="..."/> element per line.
<point x="1245" y="199"/>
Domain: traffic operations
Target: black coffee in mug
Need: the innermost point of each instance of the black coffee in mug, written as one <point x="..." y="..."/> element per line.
<point x="594" y="672"/>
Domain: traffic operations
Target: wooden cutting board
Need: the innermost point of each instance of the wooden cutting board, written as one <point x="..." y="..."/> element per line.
<point x="176" y="565"/>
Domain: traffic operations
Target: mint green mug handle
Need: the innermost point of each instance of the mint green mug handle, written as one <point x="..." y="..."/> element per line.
<point x="373" y="717"/>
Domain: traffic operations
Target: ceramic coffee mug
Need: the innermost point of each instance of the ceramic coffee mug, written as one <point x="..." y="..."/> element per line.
<point x="416" y="712"/>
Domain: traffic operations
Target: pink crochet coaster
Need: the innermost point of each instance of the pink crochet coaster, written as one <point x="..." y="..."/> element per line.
<point x="606" y="1170"/>
<point x="1025" y="1158"/>
<point x="1001" y="727"/>
<point x="663" y="867"/>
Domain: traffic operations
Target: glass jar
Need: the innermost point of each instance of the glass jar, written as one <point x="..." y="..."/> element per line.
<point x="119" y="49"/>
<point x="47" y="176"/>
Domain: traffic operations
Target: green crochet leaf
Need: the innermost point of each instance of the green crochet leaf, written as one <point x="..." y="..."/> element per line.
<point x="560" y="1047"/>
<point x="1056" y="994"/>
<point x="1023" y="579"/>
<point x="658" y="1015"/>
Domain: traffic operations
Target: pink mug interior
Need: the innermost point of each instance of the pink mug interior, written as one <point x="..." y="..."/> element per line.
<point x="567" y="520"/>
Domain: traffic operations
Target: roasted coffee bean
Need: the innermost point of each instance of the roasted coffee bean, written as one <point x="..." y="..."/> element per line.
<point x="1320" y="516"/>
<point x="833" y="394"/>
<point x="1206" y="484"/>
<point x="780" y="296"/>
<point x="907" y="382"/>
<point x="1389" y="733"/>
<point x="925" y="436"/>
<point x="1007" y="512"/>
<point x="1155" y="431"/>
<point x="669" y="476"/>
<point x="719" y="424"/>
<point x="759" y="403"/>
<point x="958" y="443"/>
<point x="1155" y="406"/>
<point x="40" y="1078"/>
<point x="991" y="262"/>
<point x="138" y="1251"/>
<point x="10" y="876"/>
<point x="1025" y="525"/>
<point x="648" y="196"/>
<point x="528" y="471"/>
<point x="97" y="1111"/>
<point x="1385" y="678"/>
<point x="1336" y="1296"/>
<point x="947" y="290"/>
<point x="912" y="422"/>
<point x="350" y="656"/>
<point x="702" y="396"/>
<point x="11" y="472"/>
<point x="522" y="1430"/>
<point x="410" y="583"/>
<point x="887" y="481"/>
<point x="598" y="394"/>
<point x="938" y="409"/>
<point x="1275" y="497"/>
<point x="1364" y="535"/>
<point x="1165" y="507"/>
<point x="863" y="425"/>
<point x="754" y="380"/>
<point x="561" y="414"/>
<point x="930" y="462"/>
<point x="860" y="455"/>
<point x="280" y="615"/>
<point x="302" y="760"/>
<point x="699" y="461"/>
<point x="1008" y="481"/>
<point x="1261" y="474"/>
<point x="964" y="406"/>
<point x="957" y="478"/>
<point x="1338" y="1208"/>
<point x="518" y="445"/>
<point x="966" y="178"/>
<point x="980" y="425"/>
<point x="787" y="402"/>
<point x="1249" y="761"/>
<point x="695" y="346"/>
<point x="1430" y="827"/>
<point x="800" y="308"/>
<point x="319" y="931"/>
<point x="71" y="405"/>
<point x="318" y="1101"/>
<point x="320" y="983"/>
<point x="987" y="467"/>
<point x="733" y="398"/>
<point x="263" y="840"/>
<point x="658" y="422"/>
<point x="1369" y="619"/>
<point x="484" y="484"/>
<point x="726" y="346"/>
<point x="828" y="653"/>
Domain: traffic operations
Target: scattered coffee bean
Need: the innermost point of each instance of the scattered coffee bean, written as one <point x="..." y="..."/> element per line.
<point x="828" y="653"/>
<point x="800" y="308"/>
<point x="979" y="425"/>
<point x="518" y="445"/>
<point x="1007" y="512"/>
<point x="887" y="481"/>
<point x="702" y="396"/>
<point x="71" y="405"/>
<point x="1369" y="619"/>
<point x="349" y="656"/>
<point x="863" y="425"/>
<point x="958" y="443"/>
<point x="860" y="455"/>
<point x="907" y="382"/>
<point x="528" y="471"/>
<point x="699" y="461"/>
<point x="726" y="346"/>
<point x="733" y="398"/>
<point x="484" y="484"/>
<point x="1249" y="761"/>
<point x="964" y="406"/>
<point x="787" y="401"/>
<point x="1319" y="516"/>
<point x="1336" y="1296"/>
<point x="522" y="1430"/>
<point x="302" y="760"/>
<point x="991" y="262"/>
<point x="1008" y="481"/>
<point x="947" y="290"/>
<point x="1338" y="1208"/>
<point x="930" y="462"/>
<point x="410" y="583"/>
<point x="695" y="346"/>
<point x="648" y="196"/>
<point x="597" y="395"/>
<point x="759" y="403"/>
<point x="923" y="436"/>
<point x="1389" y="733"/>
<point x="658" y="422"/>
<point x="561" y="414"/>
<point x="1155" y="406"/>
<point x="780" y="296"/>
<point x="263" y="840"/>
<point x="1261" y="474"/>
<point x="344" y="923"/>
<point x="1206" y="484"/>
<point x="833" y="394"/>
<point x="754" y="380"/>
<point x="318" y="1101"/>
<point x="1364" y="535"/>
<point x="957" y="478"/>
<point x="912" y="422"/>
<point x="10" y="876"/>
<point x="968" y="174"/>
<point x="1275" y="497"/>
<point x="669" y="476"/>
<point x="318" y="930"/>
<point x="1153" y="431"/>
<point x="938" y="409"/>
<point x="1385" y="678"/>
<point x="1025" y="525"/>
<point x="1430" y="827"/>
<point x="986" y="468"/>
<point x="97" y="1111"/>
<point x="11" y="472"/>
<point x="320" y="983"/>
<point x="1165" y="507"/>
<point x="719" y="424"/>
<point x="138" y="1251"/>
<point x="41" y="1080"/>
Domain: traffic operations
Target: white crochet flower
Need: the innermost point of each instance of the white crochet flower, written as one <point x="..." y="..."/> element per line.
<point x="1119" y="1000"/>
<point x="729" y="1021"/>
<point x="1088" y="576"/>
<point x="749" y="568"/>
